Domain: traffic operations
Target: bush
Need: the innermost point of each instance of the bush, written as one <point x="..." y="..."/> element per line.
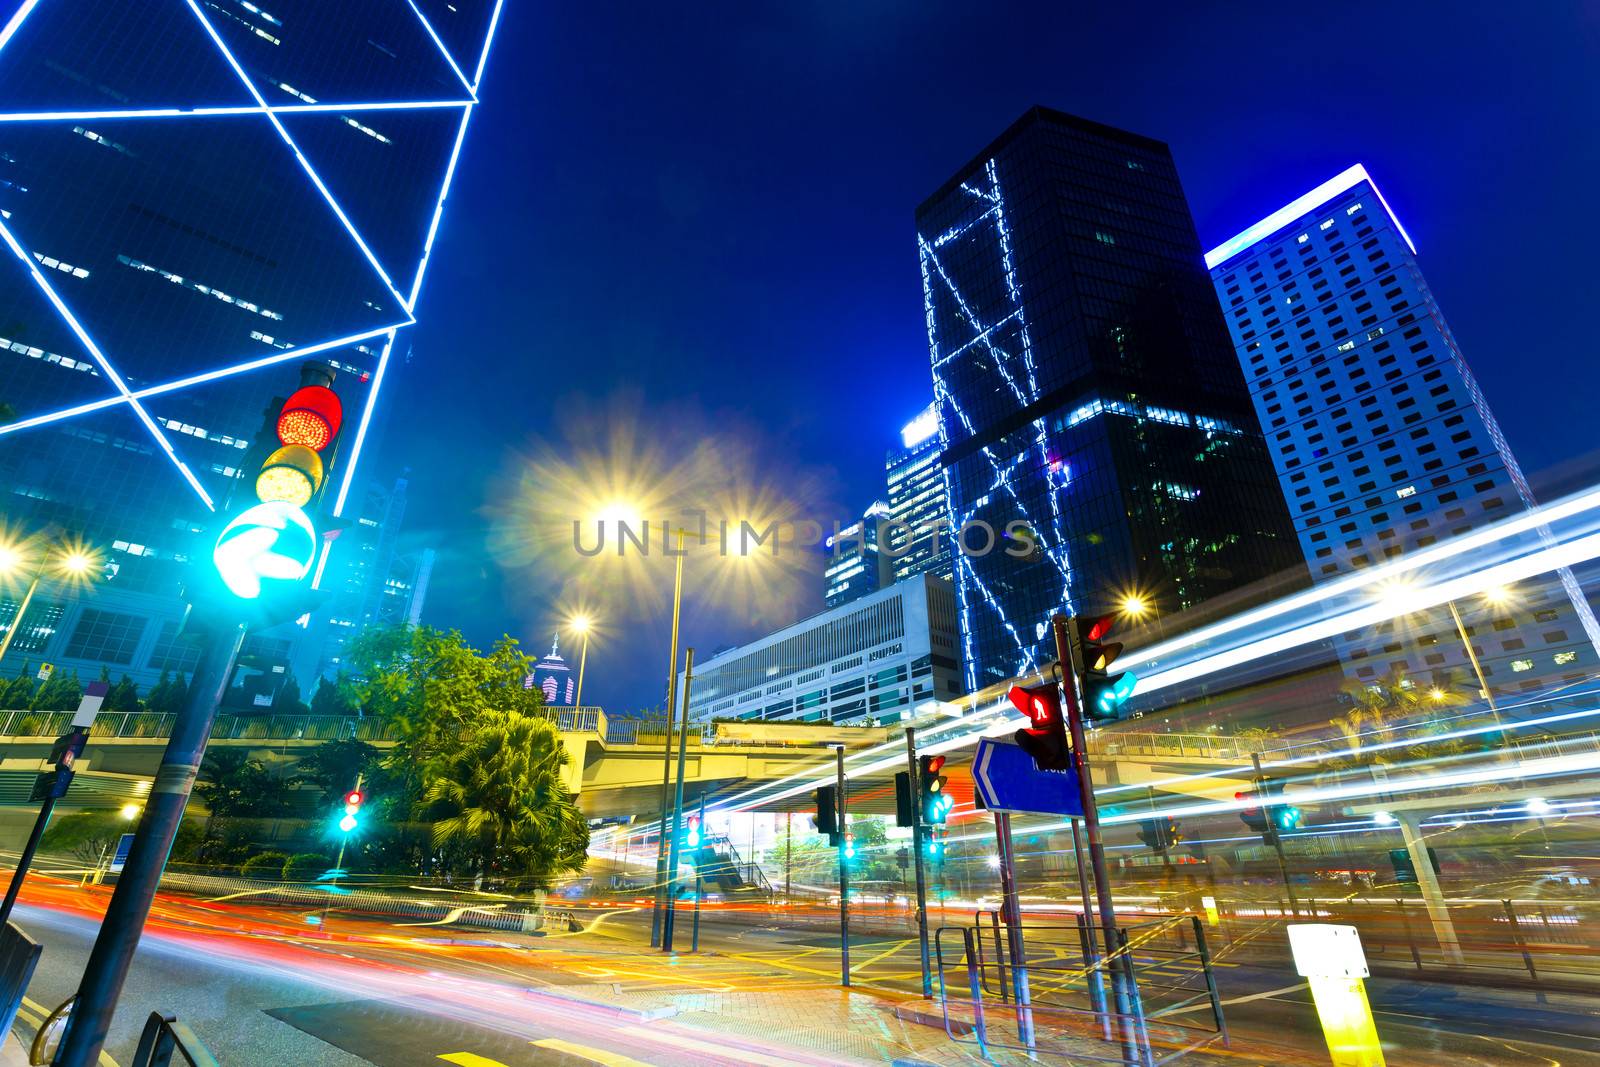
<point x="267" y="866"/>
<point x="304" y="866"/>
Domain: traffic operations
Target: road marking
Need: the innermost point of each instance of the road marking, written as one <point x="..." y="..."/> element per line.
<point x="722" y="1052"/>
<point x="890" y="951"/>
<point x="44" y="1013"/>
<point x="469" y="1059"/>
<point x="584" y="1052"/>
<point x="1206" y="1006"/>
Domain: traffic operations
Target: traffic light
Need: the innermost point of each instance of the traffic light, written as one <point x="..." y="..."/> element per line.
<point x="849" y="846"/>
<point x="903" y="800"/>
<point x="352" y="810"/>
<point x="827" y="817"/>
<point x="1161" y="834"/>
<point x="1103" y="692"/>
<point x="691" y="839"/>
<point x="1252" y="816"/>
<point x="273" y="542"/>
<point x="1046" y="739"/>
<point x="936" y="801"/>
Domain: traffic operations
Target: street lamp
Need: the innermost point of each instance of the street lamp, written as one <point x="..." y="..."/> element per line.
<point x="1398" y="596"/>
<point x="73" y="563"/>
<point x="581" y="624"/>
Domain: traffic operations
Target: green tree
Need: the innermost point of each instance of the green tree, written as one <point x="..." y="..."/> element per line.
<point x="334" y="766"/>
<point x="124" y="696"/>
<point x="85" y="835"/>
<point x="18" y="692"/>
<point x="286" y="701"/>
<point x="430" y="686"/>
<point x="334" y="697"/>
<point x="62" y="692"/>
<point x="234" y="785"/>
<point x="498" y="806"/>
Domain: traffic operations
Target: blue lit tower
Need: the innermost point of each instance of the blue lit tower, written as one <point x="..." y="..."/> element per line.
<point x="918" y="527"/>
<point x="196" y="197"/>
<point x="1085" y="388"/>
<point x="1382" y="440"/>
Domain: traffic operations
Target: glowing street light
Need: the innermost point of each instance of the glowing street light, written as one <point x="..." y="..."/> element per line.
<point x="581" y="625"/>
<point x="73" y="562"/>
<point x="1498" y="596"/>
<point x="1134" y="606"/>
<point x="130" y="812"/>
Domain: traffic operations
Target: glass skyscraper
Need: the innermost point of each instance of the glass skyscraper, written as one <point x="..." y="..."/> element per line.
<point x="1382" y="440"/>
<point x="857" y="564"/>
<point x="918" y="531"/>
<point x="195" y="200"/>
<point x="1088" y="400"/>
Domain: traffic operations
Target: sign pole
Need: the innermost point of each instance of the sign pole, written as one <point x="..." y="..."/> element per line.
<point x="1120" y="986"/>
<point x="844" y="876"/>
<point x="916" y="849"/>
<point x="1091" y="956"/>
<point x="90" y="1019"/>
<point x="1013" y="916"/>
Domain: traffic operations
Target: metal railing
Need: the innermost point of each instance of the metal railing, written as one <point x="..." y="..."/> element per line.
<point x="1053" y="995"/>
<point x="1181" y="746"/>
<point x="268" y="727"/>
<point x="164" y="1036"/>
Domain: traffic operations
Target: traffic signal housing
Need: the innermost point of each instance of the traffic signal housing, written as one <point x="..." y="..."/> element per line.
<point x="934" y="797"/>
<point x="1103" y="692"/>
<point x="352" y="810"/>
<point x="1046" y="739"/>
<point x="272" y="543"/>
<point x="904" y="801"/>
<point x="827" y="816"/>
<point x="1160" y="834"/>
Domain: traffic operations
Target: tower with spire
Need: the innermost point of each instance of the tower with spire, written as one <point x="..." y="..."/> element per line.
<point x="552" y="677"/>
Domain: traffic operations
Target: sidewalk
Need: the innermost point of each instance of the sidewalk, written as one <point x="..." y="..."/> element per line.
<point x="12" y="1052"/>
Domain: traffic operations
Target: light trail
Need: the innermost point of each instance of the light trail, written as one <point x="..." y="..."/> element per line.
<point x="1552" y="536"/>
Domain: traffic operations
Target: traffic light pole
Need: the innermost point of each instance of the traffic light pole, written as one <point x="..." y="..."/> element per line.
<point x="916" y="849"/>
<point x="1122" y="990"/>
<point x="666" y="757"/>
<point x="844" y="875"/>
<point x="1277" y="838"/>
<point x="674" y="853"/>
<point x="90" y="1018"/>
<point x="1013" y="917"/>
<point x="26" y="860"/>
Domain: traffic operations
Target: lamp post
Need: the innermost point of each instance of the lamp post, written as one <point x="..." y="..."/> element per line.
<point x="73" y="563"/>
<point x="582" y="625"/>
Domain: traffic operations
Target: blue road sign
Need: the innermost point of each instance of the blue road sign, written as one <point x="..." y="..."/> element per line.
<point x="1007" y="780"/>
<point x="120" y="858"/>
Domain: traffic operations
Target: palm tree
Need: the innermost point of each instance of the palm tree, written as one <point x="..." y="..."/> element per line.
<point x="497" y="801"/>
<point x="1395" y="705"/>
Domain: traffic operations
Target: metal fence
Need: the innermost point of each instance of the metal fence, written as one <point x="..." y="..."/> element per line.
<point x="1151" y="1003"/>
<point x="165" y="1037"/>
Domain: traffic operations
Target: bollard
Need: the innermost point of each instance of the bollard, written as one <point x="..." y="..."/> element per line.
<point x="1331" y="959"/>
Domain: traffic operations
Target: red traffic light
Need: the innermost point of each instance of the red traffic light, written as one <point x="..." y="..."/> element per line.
<point x="1040" y="703"/>
<point x="311" y="417"/>
<point x="935" y="764"/>
<point x="353" y="798"/>
<point x="1095" y="629"/>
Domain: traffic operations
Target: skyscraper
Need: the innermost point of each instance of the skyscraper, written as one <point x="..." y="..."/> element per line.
<point x="857" y="565"/>
<point x="1086" y="392"/>
<point x="917" y="534"/>
<point x="196" y="199"/>
<point x="1382" y="440"/>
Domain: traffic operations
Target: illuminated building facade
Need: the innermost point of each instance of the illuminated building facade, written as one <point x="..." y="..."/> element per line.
<point x="918" y="531"/>
<point x="195" y="199"/>
<point x="1086" y="392"/>
<point x="857" y="564"/>
<point x="872" y="660"/>
<point x="1382" y="440"/>
<point x="552" y="677"/>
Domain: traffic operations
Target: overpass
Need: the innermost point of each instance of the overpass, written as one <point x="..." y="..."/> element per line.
<point x="616" y="764"/>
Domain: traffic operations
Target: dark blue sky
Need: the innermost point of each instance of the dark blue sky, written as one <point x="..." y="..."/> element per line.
<point x="709" y="208"/>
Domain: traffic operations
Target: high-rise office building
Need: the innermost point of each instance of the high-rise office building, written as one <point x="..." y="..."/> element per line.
<point x="876" y="659"/>
<point x="1088" y="399"/>
<point x="917" y="534"/>
<point x="197" y="199"/>
<point x="857" y="564"/>
<point x="1382" y="440"/>
<point x="370" y="581"/>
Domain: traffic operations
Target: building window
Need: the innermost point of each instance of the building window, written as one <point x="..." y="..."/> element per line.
<point x="1522" y="665"/>
<point x="172" y="653"/>
<point x="107" y="636"/>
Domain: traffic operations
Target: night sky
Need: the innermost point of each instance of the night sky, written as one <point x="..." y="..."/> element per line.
<point x="700" y="216"/>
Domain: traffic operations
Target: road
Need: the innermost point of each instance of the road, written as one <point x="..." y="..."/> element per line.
<point x="259" y="991"/>
<point x="263" y="985"/>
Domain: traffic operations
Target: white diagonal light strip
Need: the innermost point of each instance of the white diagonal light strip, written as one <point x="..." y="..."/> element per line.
<point x="366" y="420"/>
<point x="105" y="364"/>
<point x="443" y="51"/>
<point x="228" y="111"/>
<point x="305" y="163"/>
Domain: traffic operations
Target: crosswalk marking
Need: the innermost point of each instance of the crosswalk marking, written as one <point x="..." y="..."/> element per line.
<point x="598" y="1055"/>
<point x="469" y="1059"/>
